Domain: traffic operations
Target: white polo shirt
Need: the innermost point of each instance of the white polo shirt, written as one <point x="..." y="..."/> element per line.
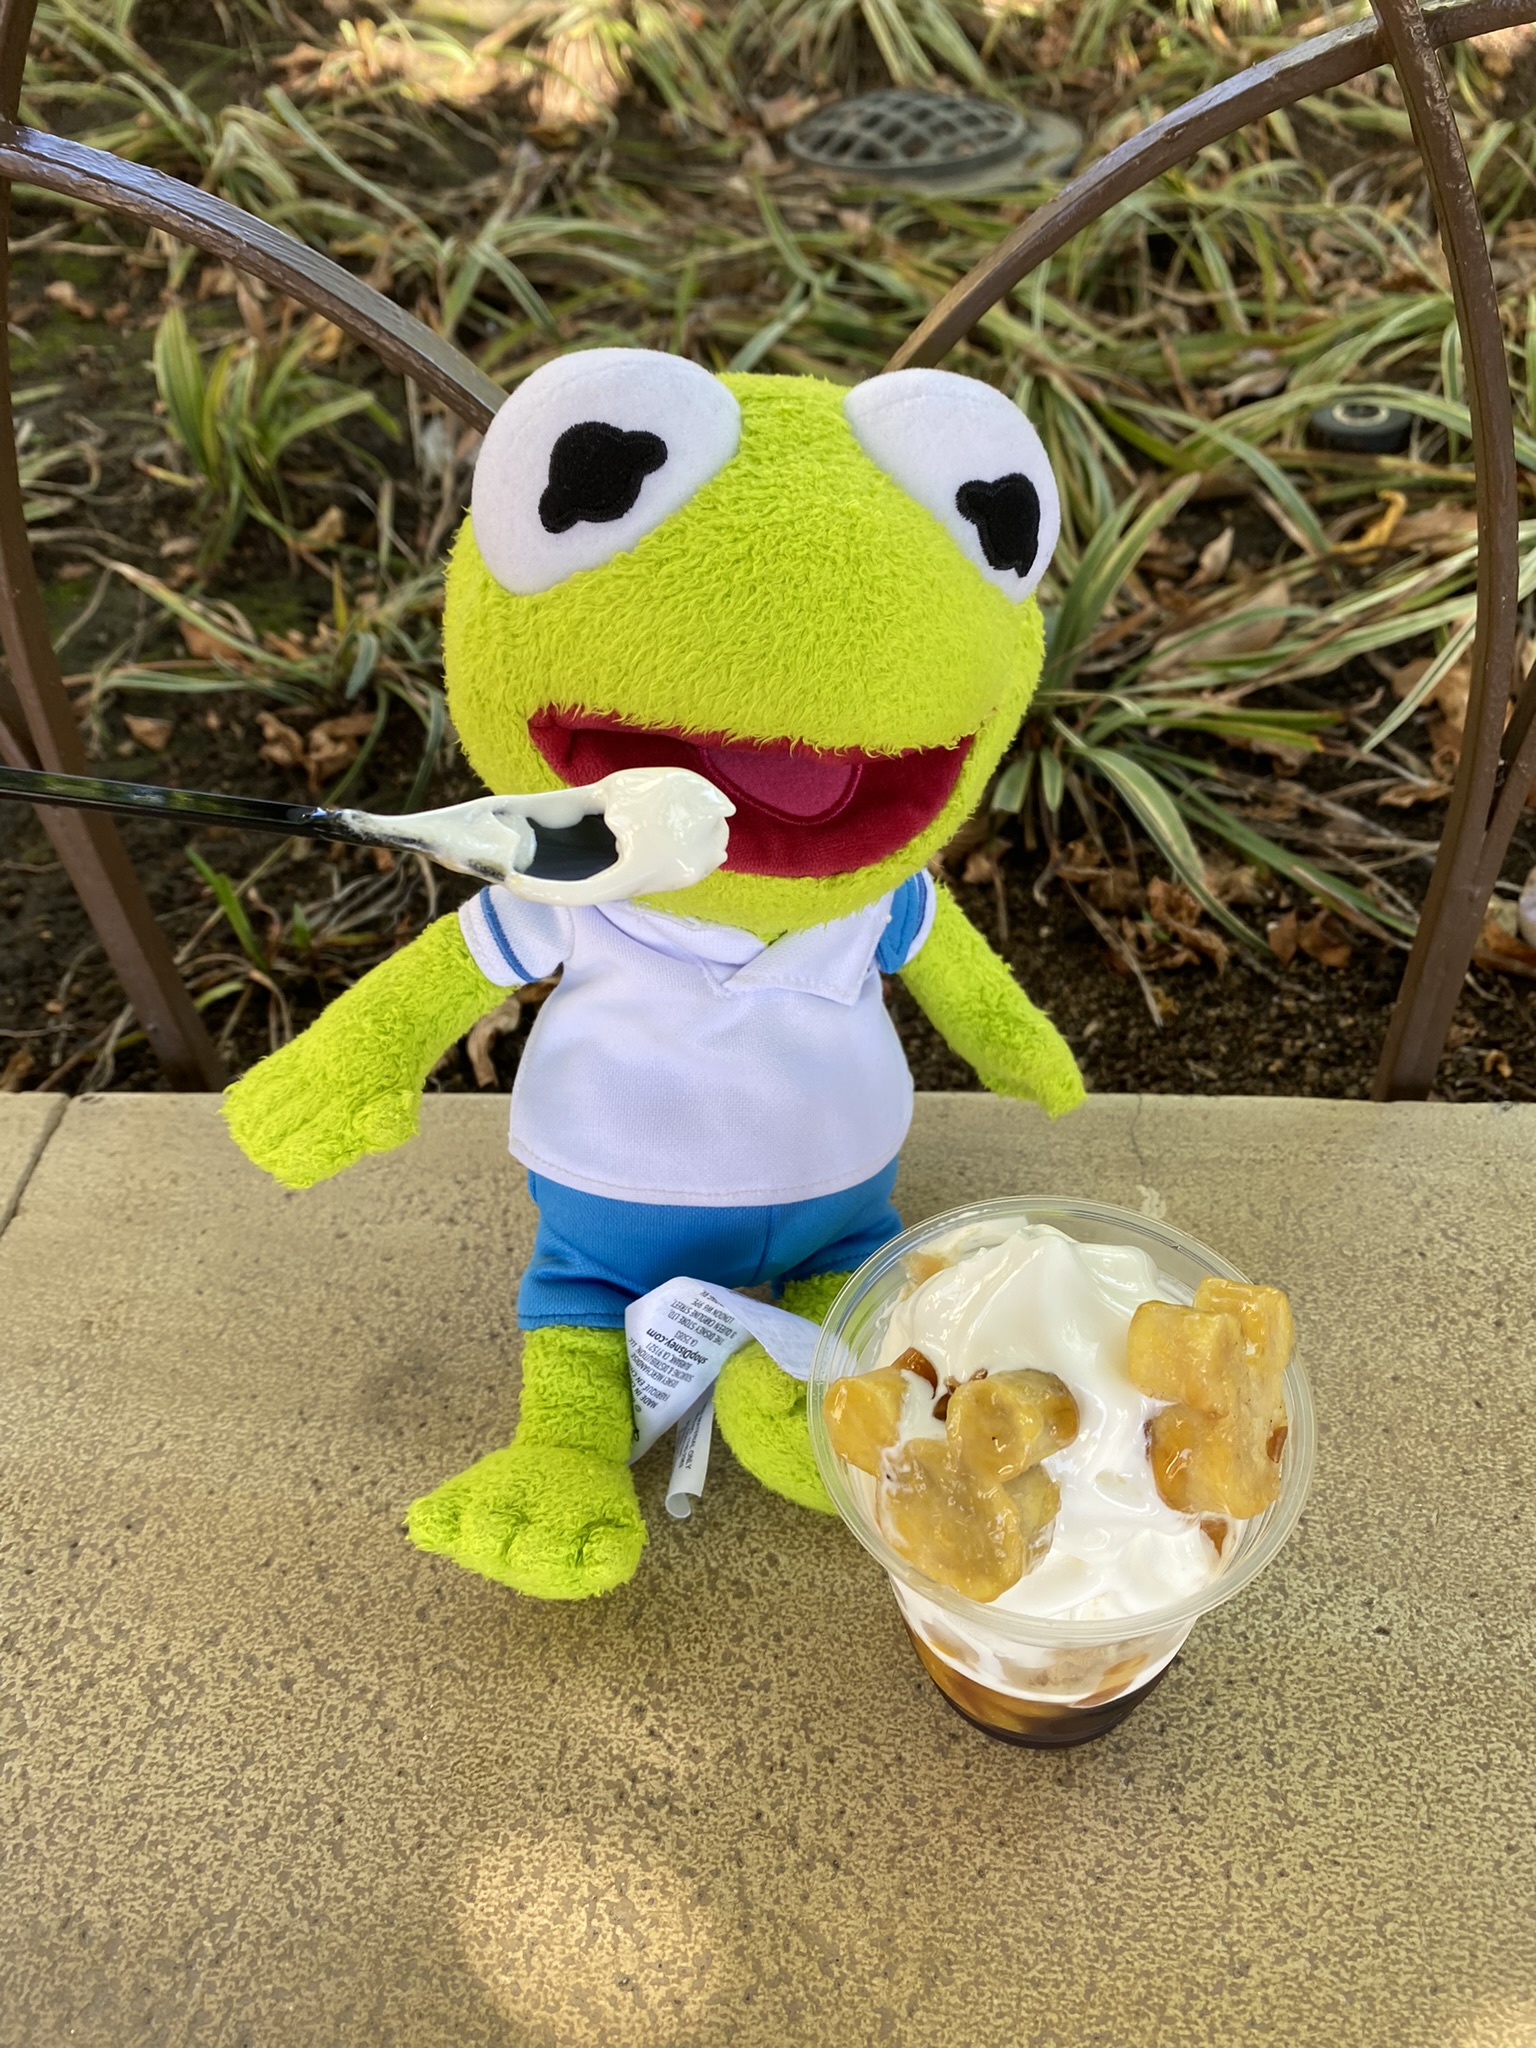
<point x="689" y="1063"/>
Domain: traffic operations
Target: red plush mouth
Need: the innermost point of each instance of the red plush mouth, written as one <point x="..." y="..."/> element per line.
<point x="800" y="811"/>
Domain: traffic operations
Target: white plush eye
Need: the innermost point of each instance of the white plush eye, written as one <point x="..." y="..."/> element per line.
<point x="590" y="454"/>
<point x="971" y="458"/>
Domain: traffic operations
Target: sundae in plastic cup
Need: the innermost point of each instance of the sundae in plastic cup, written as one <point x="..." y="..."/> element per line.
<point x="1066" y="1432"/>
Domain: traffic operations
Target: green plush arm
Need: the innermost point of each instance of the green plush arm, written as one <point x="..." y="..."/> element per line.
<point x="351" y="1084"/>
<point x="979" y="1010"/>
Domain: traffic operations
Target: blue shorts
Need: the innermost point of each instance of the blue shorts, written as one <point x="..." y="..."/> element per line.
<point x="594" y="1256"/>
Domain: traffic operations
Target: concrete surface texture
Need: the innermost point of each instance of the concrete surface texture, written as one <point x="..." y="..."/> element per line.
<point x="273" y="1778"/>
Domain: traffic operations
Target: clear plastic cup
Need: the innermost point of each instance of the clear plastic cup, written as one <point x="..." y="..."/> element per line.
<point x="1044" y="1683"/>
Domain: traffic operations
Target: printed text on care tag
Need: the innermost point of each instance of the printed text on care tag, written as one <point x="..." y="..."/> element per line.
<point x="679" y="1336"/>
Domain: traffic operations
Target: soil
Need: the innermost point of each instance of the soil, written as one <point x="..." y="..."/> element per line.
<point x="1254" y="1028"/>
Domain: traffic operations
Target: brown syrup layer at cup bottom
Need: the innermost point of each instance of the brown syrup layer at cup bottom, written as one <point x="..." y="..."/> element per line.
<point x="1034" y="1724"/>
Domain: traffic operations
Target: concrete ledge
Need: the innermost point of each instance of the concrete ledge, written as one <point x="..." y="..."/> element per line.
<point x="274" y="1778"/>
<point x="27" y="1122"/>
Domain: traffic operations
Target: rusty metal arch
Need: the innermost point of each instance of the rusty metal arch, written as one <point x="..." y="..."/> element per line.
<point x="1498" y="765"/>
<point x="148" y="197"/>
<point x="37" y="725"/>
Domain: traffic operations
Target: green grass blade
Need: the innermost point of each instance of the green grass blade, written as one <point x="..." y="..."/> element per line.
<point x="1158" y="809"/>
<point x="234" y="910"/>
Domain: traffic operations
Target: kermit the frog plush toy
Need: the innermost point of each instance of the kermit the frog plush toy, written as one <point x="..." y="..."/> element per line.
<point x="821" y="600"/>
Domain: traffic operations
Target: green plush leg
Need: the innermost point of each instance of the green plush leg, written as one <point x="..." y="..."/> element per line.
<point x="554" y="1515"/>
<point x="761" y="1409"/>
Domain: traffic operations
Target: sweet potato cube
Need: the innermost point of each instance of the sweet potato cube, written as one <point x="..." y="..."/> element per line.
<point x="863" y="1415"/>
<point x="1210" y="1465"/>
<point x="1009" y="1421"/>
<point x="1216" y="1449"/>
<point x="938" y="1512"/>
<point x="1265" y="1316"/>
<point x="1184" y="1354"/>
<point x="1037" y="1500"/>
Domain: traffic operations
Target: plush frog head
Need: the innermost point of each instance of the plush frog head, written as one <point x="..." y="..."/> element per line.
<point x="820" y="599"/>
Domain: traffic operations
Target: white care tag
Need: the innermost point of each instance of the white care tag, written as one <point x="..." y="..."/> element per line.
<point x="679" y="1335"/>
<point x="690" y="1457"/>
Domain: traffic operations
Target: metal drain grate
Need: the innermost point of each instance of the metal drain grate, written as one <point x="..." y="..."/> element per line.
<point x="899" y="135"/>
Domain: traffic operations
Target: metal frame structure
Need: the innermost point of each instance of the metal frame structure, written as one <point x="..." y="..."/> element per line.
<point x="1498" y="763"/>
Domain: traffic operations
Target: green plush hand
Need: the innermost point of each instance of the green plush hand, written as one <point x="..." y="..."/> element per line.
<point x="1042" y="1071"/>
<point x="351" y="1084"/>
<point x="978" y="1008"/>
<point x="313" y="1108"/>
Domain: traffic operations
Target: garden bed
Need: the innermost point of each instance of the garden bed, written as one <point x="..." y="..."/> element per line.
<point x="1272" y="630"/>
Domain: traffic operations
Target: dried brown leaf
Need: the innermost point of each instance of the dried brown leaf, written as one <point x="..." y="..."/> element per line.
<point x="1502" y="48"/>
<point x="283" y="746"/>
<point x="332" y="744"/>
<point x="1215" y="559"/>
<point x="1442" y="529"/>
<point x="1283" y="938"/>
<point x="576" y="90"/>
<point x="1504" y="952"/>
<point x="1452" y="692"/>
<point x="1248" y="628"/>
<point x="1236" y="884"/>
<point x="209" y="646"/>
<point x="1264" y="380"/>
<point x="1381" y="528"/>
<point x="1403" y="796"/>
<point x="154" y="733"/>
<point x="15" y="1071"/>
<point x="1116" y="889"/>
<point x="1167" y="554"/>
<point x="500" y="1023"/>
<point x="1173" y="907"/>
<point x="784" y="111"/>
<point x="973" y="833"/>
<point x="328" y="530"/>
<point x="62" y="293"/>
<point x="1324" y="940"/>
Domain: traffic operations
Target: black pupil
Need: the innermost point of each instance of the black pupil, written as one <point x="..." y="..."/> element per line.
<point x="1006" y="516"/>
<point x="595" y="472"/>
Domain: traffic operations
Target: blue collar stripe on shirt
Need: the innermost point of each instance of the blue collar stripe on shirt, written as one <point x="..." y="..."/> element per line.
<point x="503" y="944"/>
<point x="909" y="906"/>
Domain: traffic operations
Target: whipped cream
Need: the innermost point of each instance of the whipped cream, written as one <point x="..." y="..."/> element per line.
<point x="1041" y="1299"/>
<point x="668" y="825"/>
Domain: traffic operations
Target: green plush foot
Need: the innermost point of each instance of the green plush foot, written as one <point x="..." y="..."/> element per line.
<point x="554" y="1515"/>
<point x="761" y="1410"/>
<point x="551" y="1522"/>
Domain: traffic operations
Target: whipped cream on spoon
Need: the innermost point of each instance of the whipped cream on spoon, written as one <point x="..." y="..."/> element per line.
<point x="637" y="832"/>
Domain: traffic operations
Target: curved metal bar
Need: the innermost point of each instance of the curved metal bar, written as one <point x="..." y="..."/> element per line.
<point x="45" y="733"/>
<point x="1516" y="777"/>
<point x="1314" y="66"/>
<point x="405" y="343"/>
<point x="91" y="850"/>
<point x="1452" y="912"/>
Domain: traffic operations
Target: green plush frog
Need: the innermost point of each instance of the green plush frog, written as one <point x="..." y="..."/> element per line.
<point x="821" y="601"/>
